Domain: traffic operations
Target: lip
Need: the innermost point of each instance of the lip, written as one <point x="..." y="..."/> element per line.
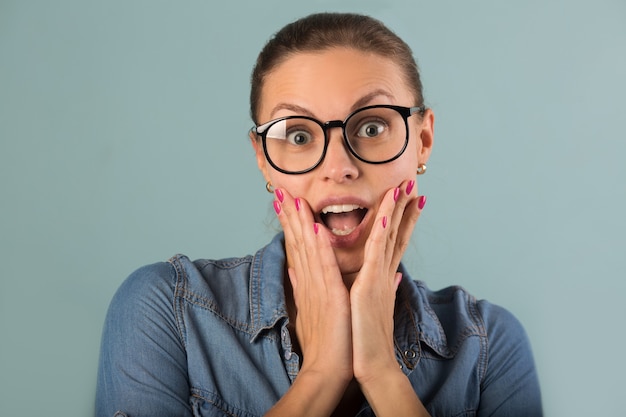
<point x="355" y="235"/>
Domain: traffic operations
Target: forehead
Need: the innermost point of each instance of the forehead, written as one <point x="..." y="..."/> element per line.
<point x="329" y="83"/>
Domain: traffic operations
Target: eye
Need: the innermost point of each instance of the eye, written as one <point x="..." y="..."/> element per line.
<point x="371" y="129"/>
<point x="299" y="137"/>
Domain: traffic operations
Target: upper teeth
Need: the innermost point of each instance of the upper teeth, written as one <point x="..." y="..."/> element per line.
<point x="340" y="208"/>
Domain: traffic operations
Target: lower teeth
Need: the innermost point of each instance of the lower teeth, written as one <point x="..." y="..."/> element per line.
<point x="343" y="232"/>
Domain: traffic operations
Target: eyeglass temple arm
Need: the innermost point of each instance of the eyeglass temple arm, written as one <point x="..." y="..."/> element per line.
<point x="417" y="109"/>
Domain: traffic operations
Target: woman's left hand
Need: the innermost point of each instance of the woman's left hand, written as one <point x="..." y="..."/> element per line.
<point x="373" y="294"/>
<point x="372" y="300"/>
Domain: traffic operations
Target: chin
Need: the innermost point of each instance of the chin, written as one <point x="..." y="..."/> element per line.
<point x="349" y="263"/>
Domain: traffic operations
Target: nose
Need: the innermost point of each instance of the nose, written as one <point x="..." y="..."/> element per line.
<point x="339" y="164"/>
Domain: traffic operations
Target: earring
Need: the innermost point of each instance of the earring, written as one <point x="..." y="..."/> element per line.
<point x="269" y="187"/>
<point x="421" y="169"/>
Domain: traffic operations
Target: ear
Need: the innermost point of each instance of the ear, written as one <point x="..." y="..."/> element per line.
<point x="260" y="155"/>
<point x="426" y="134"/>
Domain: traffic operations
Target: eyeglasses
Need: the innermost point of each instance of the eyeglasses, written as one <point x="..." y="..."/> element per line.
<point x="374" y="134"/>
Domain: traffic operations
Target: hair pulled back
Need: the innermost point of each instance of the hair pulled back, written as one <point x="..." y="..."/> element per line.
<point x="321" y="31"/>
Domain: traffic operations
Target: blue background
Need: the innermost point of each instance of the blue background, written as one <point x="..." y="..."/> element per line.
<point x="123" y="141"/>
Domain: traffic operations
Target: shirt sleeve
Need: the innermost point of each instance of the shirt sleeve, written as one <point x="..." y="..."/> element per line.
<point x="143" y="367"/>
<point x="510" y="387"/>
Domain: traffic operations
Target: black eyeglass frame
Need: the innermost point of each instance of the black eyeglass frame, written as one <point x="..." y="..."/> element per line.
<point x="405" y="112"/>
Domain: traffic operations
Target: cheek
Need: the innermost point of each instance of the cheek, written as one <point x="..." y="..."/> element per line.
<point x="295" y="185"/>
<point x="402" y="169"/>
<point x="389" y="177"/>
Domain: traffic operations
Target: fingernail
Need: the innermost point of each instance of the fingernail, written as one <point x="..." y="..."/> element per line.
<point x="297" y="204"/>
<point x="421" y="202"/>
<point x="316" y="228"/>
<point x="384" y="222"/>
<point x="398" y="278"/>
<point x="280" y="195"/>
<point x="396" y="194"/>
<point x="410" y="186"/>
<point x="277" y="207"/>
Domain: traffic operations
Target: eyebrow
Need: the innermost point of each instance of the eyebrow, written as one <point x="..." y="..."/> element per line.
<point x="368" y="98"/>
<point x="362" y="102"/>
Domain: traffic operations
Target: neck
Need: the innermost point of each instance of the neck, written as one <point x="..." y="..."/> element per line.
<point x="348" y="279"/>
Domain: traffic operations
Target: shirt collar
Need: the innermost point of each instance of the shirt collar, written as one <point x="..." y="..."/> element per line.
<point x="415" y="321"/>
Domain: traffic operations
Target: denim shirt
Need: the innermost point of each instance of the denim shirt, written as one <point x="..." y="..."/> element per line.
<point x="210" y="338"/>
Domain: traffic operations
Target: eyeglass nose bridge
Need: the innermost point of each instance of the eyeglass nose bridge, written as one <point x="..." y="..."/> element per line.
<point x="331" y="124"/>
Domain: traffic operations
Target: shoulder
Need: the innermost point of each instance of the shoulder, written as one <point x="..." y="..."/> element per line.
<point x="500" y="322"/>
<point x="511" y="383"/>
<point x="158" y="284"/>
<point x="150" y="282"/>
<point x="202" y="272"/>
<point x="456" y="301"/>
<point x="487" y="341"/>
<point x="506" y="358"/>
<point x="222" y="286"/>
<point x="450" y="315"/>
<point x="508" y="345"/>
<point x="217" y="285"/>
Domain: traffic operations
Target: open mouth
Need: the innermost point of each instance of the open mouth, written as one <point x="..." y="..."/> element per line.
<point x="342" y="219"/>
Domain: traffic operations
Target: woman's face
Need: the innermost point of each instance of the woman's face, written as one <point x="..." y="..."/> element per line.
<point x="329" y="85"/>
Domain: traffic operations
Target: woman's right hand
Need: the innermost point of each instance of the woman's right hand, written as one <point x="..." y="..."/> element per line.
<point x="322" y="318"/>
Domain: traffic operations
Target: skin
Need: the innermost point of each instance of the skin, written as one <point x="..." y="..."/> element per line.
<point x="353" y="277"/>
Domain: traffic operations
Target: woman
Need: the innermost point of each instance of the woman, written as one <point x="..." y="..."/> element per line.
<point x="324" y="320"/>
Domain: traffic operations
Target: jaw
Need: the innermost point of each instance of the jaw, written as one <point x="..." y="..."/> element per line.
<point x="350" y="261"/>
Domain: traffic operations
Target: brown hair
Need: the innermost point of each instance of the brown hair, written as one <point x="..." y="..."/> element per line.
<point x="321" y="31"/>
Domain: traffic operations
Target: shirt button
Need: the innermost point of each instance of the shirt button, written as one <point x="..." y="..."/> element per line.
<point x="288" y="354"/>
<point x="409" y="354"/>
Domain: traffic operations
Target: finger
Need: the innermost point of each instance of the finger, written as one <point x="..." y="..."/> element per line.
<point x="410" y="216"/>
<point x="288" y="211"/>
<point x="398" y="279"/>
<point x="397" y="216"/>
<point x="405" y="196"/>
<point x="377" y="247"/>
<point x="403" y="222"/>
<point x="296" y="252"/>
<point x="382" y="222"/>
<point x="308" y="246"/>
<point x="322" y="259"/>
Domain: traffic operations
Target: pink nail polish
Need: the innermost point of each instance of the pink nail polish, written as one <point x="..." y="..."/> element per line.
<point x="409" y="187"/>
<point x="421" y="202"/>
<point x="316" y="228"/>
<point x="396" y="194"/>
<point x="297" y="201"/>
<point x="384" y="222"/>
<point x="398" y="278"/>
<point x="280" y="195"/>
<point x="276" y="207"/>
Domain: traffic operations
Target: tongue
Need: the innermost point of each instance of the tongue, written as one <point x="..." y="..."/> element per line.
<point x="343" y="221"/>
